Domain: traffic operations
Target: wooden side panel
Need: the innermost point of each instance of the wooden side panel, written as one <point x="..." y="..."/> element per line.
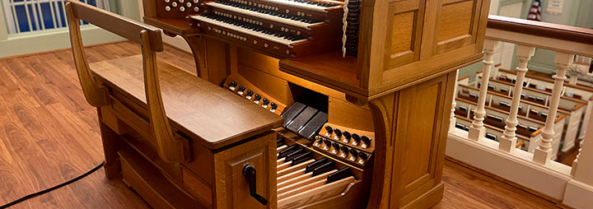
<point x="217" y="61"/>
<point x="457" y="24"/>
<point x="423" y="38"/>
<point x="274" y="86"/>
<point x="232" y="188"/>
<point x="404" y="32"/>
<point x="420" y="133"/>
<point x="419" y="150"/>
<point x="350" y="115"/>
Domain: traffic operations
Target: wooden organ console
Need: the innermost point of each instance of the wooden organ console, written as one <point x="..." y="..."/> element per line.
<point x="335" y="104"/>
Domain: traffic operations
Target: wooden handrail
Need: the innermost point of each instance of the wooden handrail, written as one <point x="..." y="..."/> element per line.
<point x="550" y="30"/>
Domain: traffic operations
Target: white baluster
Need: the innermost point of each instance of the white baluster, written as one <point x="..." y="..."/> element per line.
<point x="477" y="130"/>
<point x="543" y="152"/>
<point x="573" y="78"/>
<point x="508" y="139"/>
<point x="453" y="121"/>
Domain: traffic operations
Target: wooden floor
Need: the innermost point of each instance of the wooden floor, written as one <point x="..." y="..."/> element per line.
<point x="49" y="134"/>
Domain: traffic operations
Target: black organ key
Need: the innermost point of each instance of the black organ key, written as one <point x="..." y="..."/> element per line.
<point x="302" y="158"/>
<point x="328" y="131"/>
<point x="356" y="139"/>
<point x="280" y="142"/>
<point x="324" y="168"/>
<point x="366" y="141"/>
<point x="232" y="85"/>
<point x="287" y="151"/>
<point x="315" y="164"/>
<point x="338" y="133"/>
<point x="294" y="154"/>
<point x="339" y="175"/>
<point x="347" y="137"/>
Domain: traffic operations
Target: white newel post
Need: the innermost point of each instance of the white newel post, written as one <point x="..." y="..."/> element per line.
<point x="584" y="171"/>
<point x="575" y="163"/>
<point x="579" y="190"/>
<point x="587" y="158"/>
<point x="543" y="152"/>
<point x="508" y="139"/>
<point x="453" y="121"/>
<point x="477" y="130"/>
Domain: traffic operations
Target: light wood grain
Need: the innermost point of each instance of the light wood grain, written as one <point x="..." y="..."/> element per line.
<point x="211" y="113"/>
<point x="46" y="85"/>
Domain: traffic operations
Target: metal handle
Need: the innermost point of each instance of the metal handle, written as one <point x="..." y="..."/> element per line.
<point x="250" y="173"/>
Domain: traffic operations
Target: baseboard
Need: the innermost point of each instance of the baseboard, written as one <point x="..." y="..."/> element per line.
<point x="517" y="169"/>
<point x="503" y="180"/>
<point x="578" y="195"/>
<point x="428" y="199"/>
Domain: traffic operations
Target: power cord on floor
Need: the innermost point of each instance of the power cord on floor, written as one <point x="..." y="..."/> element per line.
<point x="52" y="188"/>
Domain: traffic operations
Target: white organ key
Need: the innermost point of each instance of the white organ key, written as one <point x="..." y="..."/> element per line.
<point x="263" y="16"/>
<point x="248" y="31"/>
<point x="305" y="6"/>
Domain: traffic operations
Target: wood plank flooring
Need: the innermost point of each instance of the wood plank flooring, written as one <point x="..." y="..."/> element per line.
<point x="49" y="134"/>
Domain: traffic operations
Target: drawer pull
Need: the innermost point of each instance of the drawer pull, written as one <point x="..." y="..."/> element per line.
<point x="250" y="173"/>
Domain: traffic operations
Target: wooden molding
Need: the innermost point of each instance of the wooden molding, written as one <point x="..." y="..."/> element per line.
<point x="550" y="30"/>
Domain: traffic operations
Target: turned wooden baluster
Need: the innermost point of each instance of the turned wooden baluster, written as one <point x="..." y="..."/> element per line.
<point x="453" y="120"/>
<point x="477" y="130"/>
<point x="508" y="139"/>
<point x="543" y="152"/>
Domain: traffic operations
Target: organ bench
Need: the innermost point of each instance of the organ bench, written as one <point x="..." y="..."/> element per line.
<point x="298" y="104"/>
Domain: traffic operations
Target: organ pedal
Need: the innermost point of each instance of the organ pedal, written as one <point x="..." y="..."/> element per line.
<point x="306" y="176"/>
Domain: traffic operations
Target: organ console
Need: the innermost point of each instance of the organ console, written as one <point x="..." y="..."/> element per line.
<point x="363" y="88"/>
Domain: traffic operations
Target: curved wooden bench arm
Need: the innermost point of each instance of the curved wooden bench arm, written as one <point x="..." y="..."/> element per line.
<point x="95" y="95"/>
<point x="169" y="148"/>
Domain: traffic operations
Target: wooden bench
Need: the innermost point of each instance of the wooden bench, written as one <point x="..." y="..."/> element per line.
<point x="180" y="141"/>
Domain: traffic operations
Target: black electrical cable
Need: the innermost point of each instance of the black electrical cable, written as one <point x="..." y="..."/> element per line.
<point x="52" y="188"/>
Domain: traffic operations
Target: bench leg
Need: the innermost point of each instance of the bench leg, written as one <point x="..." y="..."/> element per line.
<point x="111" y="145"/>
